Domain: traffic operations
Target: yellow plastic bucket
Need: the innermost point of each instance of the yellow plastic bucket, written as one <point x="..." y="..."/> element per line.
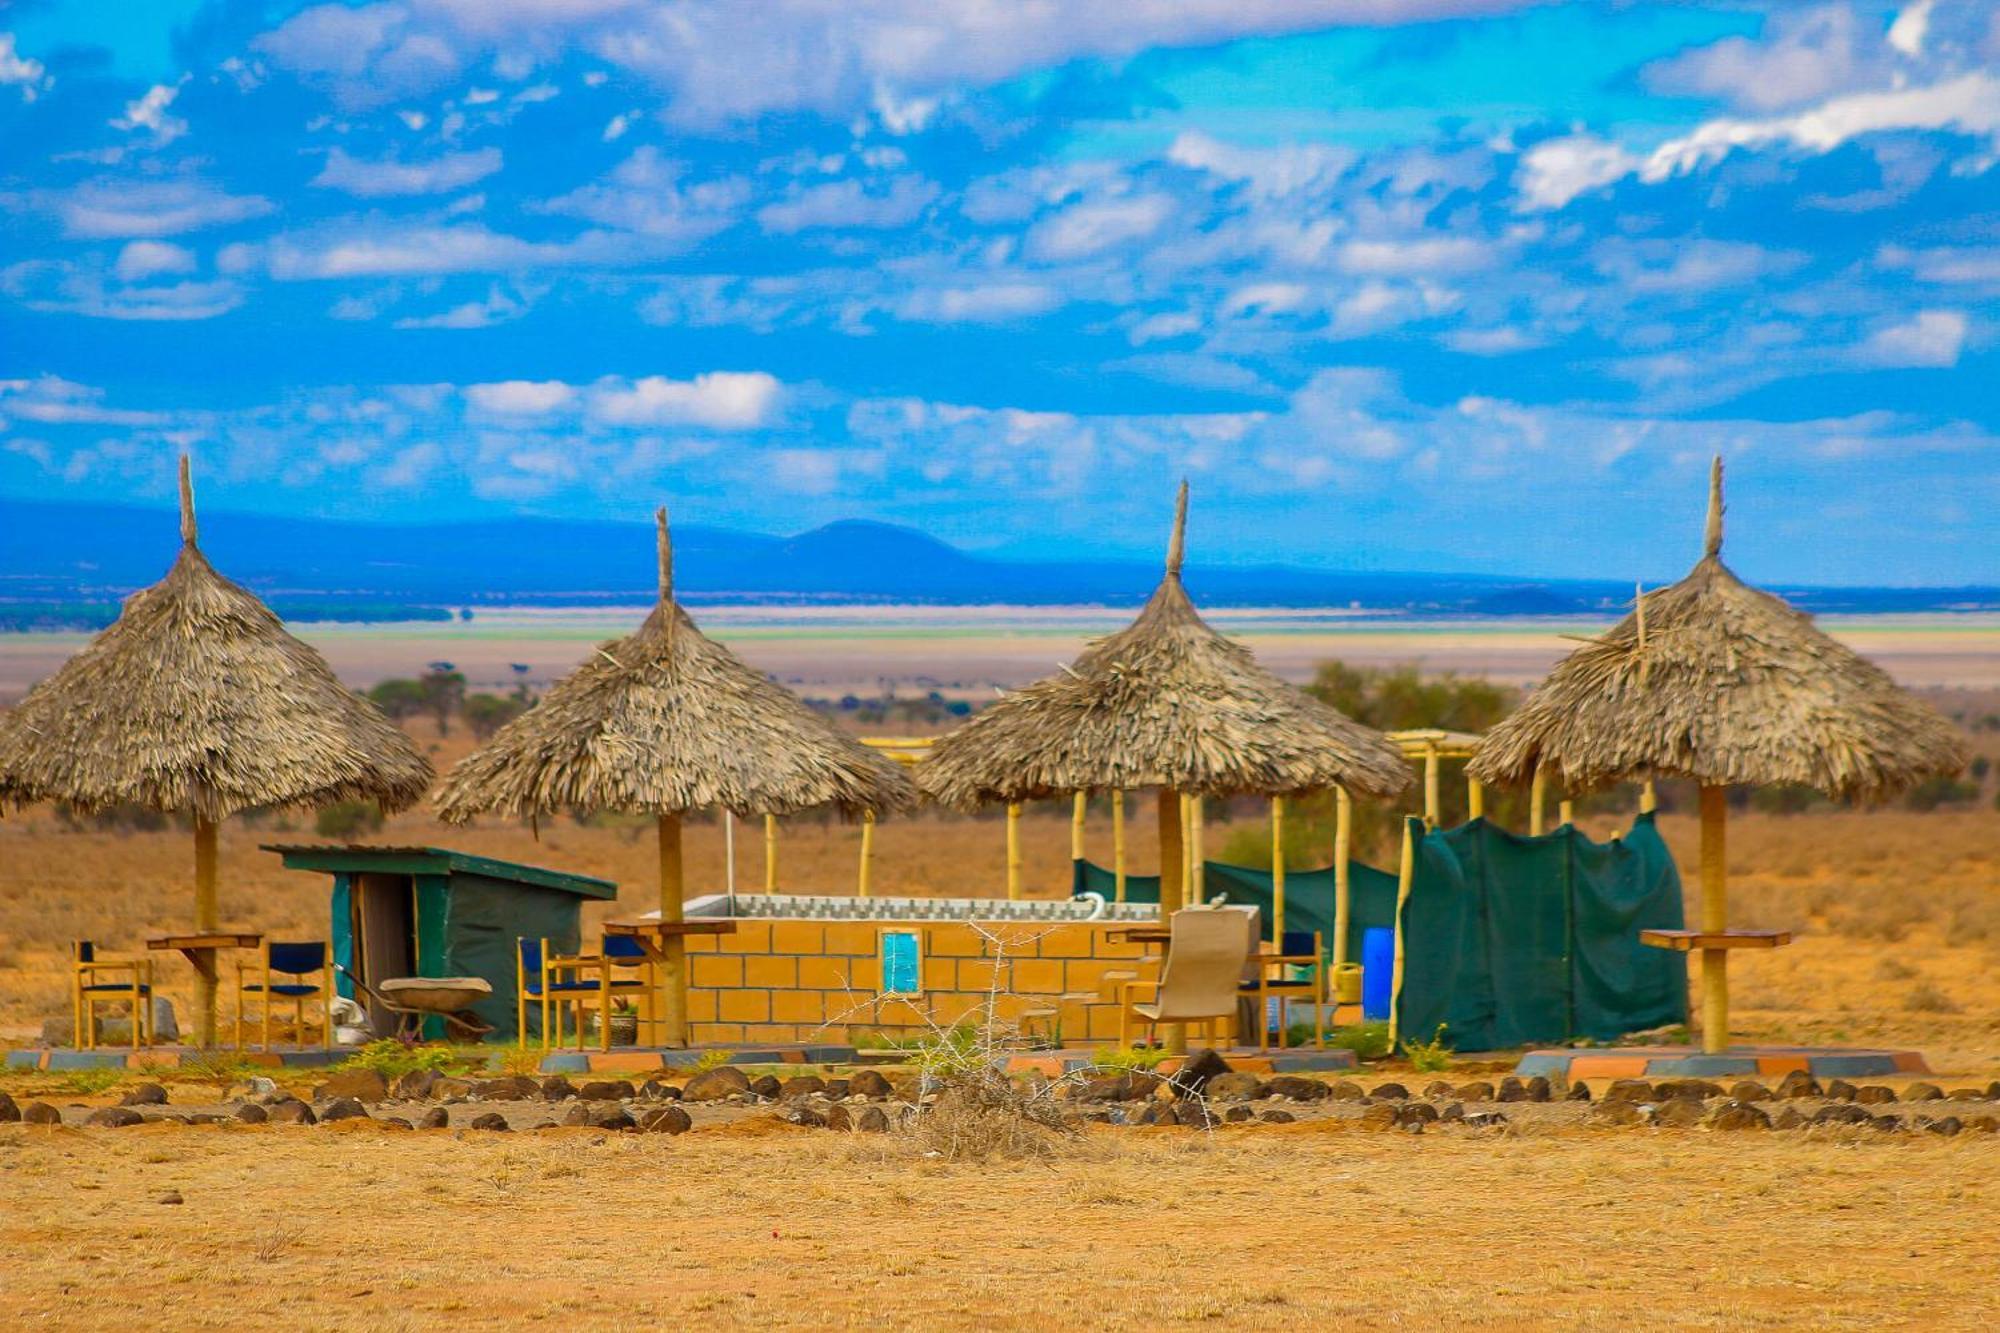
<point x="1347" y="983"/>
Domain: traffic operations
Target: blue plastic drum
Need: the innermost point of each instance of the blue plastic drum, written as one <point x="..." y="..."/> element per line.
<point x="1378" y="971"/>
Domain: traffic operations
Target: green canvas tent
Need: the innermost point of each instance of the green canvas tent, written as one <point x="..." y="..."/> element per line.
<point x="433" y="912"/>
<point x="1507" y="940"/>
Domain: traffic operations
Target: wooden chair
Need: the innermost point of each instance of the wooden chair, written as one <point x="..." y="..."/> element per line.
<point x="555" y="980"/>
<point x="298" y="960"/>
<point x="1299" y="949"/>
<point x="95" y="979"/>
<point x="1205" y="960"/>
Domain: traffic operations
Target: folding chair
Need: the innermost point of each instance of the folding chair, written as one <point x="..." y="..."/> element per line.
<point x="87" y="991"/>
<point x="310" y="958"/>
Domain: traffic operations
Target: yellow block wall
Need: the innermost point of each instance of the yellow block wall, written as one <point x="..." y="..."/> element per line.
<point x="819" y="981"/>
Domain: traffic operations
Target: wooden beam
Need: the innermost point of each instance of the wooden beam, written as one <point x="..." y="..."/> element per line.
<point x="770" y="853"/>
<point x="673" y="950"/>
<point x="1405" y="877"/>
<point x="1343" y="835"/>
<point x="1278" y="872"/>
<point x="1079" y="805"/>
<point x="205" y="919"/>
<point x="1013" y="849"/>
<point x="1714" y="919"/>
<point x="1538" y="795"/>
<point x="1118" y="845"/>
<point x="864" y="885"/>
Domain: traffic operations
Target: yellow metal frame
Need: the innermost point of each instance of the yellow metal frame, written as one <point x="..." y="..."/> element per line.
<point x="83" y="1002"/>
<point x="298" y="1001"/>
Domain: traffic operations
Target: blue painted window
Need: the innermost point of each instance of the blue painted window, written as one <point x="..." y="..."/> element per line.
<point x="902" y="963"/>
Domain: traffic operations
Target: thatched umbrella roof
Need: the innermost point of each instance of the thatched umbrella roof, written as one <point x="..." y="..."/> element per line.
<point x="666" y="721"/>
<point x="1713" y="680"/>
<point x="1165" y="702"/>
<point x="197" y="700"/>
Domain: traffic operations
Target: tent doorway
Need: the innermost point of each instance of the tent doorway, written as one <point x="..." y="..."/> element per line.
<point x="385" y="934"/>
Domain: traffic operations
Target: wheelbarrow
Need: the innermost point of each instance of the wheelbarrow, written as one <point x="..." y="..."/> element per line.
<point x="413" y="999"/>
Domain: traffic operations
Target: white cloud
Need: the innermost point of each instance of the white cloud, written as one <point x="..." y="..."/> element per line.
<point x="498" y="308"/>
<point x="1265" y="298"/>
<point x="371" y="180"/>
<point x="17" y="69"/>
<point x="647" y="194"/>
<point x="848" y="203"/>
<point x="1946" y="264"/>
<point x="982" y="303"/>
<point x="105" y="208"/>
<point x="412" y="251"/>
<point x="520" y="398"/>
<point x="1805" y="54"/>
<point x="1933" y="338"/>
<point x="720" y="400"/>
<point x="1270" y="172"/>
<point x="1165" y="325"/>
<point x="1556" y="171"/>
<point x="1415" y="257"/>
<point x="1689" y="265"/>
<point x="1912" y="26"/>
<point x="149" y="113"/>
<point x="1088" y="229"/>
<point x="86" y="289"/>
<point x="614" y="129"/>
<point x="143" y="259"/>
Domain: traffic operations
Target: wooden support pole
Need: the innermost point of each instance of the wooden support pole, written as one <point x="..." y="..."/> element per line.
<point x="1649" y="799"/>
<point x="1197" y="881"/>
<point x="1118" y="845"/>
<point x="1013" y="849"/>
<point x="1432" y="802"/>
<point x="1343" y="835"/>
<point x="770" y="853"/>
<point x="1278" y="872"/>
<point x="1405" y="877"/>
<point x="1475" y="799"/>
<point x="1714" y="917"/>
<point x="863" y="882"/>
<point x="1079" y="805"/>
<point x="205" y="922"/>
<point x="1565" y="812"/>
<point x="1172" y="864"/>
<point x="673" y="962"/>
<point x="1538" y="796"/>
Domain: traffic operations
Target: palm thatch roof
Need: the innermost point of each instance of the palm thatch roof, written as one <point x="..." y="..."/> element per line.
<point x="196" y="699"/>
<point x="666" y="721"/>
<point x="1713" y="680"/>
<point x="1165" y="702"/>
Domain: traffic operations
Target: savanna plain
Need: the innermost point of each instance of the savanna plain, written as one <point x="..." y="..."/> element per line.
<point x="751" y="1220"/>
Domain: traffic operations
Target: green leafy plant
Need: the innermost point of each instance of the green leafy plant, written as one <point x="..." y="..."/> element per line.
<point x="392" y="1058"/>
<point x="1368" y="1041"/>
<point x="1429" y="1057"/>
<point x="1140" y="1058"/>
<point x="89" y="1082"/>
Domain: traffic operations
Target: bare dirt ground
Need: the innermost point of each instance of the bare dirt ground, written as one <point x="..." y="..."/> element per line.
<point x="356" y="1226"/>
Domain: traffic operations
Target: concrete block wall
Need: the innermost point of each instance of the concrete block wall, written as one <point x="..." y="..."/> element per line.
<point x="783" y="981"/>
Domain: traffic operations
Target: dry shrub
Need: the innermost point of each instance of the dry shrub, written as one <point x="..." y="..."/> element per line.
<point x="983" y="1119"/>
<point x="1928" y="999"/>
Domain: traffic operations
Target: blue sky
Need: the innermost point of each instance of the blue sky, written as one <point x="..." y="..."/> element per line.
<point x="1449" y="284"/>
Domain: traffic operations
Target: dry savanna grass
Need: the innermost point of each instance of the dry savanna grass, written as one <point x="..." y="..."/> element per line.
<point x="358" y="1227"/>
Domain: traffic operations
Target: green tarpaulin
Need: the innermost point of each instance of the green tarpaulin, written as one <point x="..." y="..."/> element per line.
<point x="1507" y="940"/>
<point x="1308" y="895"/>
<point x="1516" y="941"/>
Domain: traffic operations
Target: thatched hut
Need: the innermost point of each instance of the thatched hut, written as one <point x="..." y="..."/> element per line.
<point x="665" y="722"/>
<point x="1166" y="703"/>
<point x="197" y="701"/>
<point x="1717" y="682"/>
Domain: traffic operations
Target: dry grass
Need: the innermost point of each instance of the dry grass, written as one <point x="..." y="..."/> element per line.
<point x="365" y="1228"/>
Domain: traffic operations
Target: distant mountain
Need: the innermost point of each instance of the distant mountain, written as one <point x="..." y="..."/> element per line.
<point x="63" y="562"/>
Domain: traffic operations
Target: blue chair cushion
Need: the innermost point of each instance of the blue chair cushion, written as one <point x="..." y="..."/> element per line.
<point x="123" y="988"/>
<point x="571" y="987"/>
<point x="285" y="988"/>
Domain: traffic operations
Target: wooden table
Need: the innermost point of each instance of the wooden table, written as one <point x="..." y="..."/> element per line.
<point x="1685" y="941"/>
<point x="653" y="933"/>
<point x="200" y="948"/>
